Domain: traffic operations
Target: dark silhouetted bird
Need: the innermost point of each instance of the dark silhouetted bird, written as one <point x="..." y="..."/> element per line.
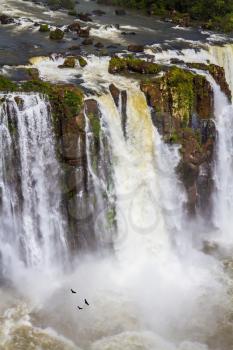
<point x="86" y="302"/>
<point x="80" y="308"/>
<point x="73" y="291"/>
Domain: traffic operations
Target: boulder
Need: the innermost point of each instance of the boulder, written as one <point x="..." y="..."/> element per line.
<point x="120" y="12"/>
<point x="68" y="63"/>
<point x="99" y="45"/>
<point x="85" y="17"/>
<point x="136" y="48"/>
<point x="56" y="34"/>
<point x="84" y="32"/>
<point x="82" y="61"/>
<point x="87" y="41"/>
<point x="98" y="12"/>
<point x="74" y="27"/>
<point x="5" y="19"/>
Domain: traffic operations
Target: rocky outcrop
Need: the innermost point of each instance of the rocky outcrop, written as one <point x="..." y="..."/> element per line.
<point x="74" y="27"/>
<point x="217" y="73"/>
<point x="182" y="102"/>
<point x="136" y="48"/>
<point x="129" y="64"/>
<point x="120" y="100"/>
<point x="56" y="34"/>
<point x="85" y="17"/>
<point x="5" y="19"/>
<point x="69" y="62"/>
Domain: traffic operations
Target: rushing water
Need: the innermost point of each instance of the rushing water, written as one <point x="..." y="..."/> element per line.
<point x="29" y="182"/>
<point x="153" y="290"/>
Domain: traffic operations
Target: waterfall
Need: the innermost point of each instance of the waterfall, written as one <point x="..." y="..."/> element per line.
<point x="32" y="227"/>
<point x="100" y="186"/>
<point x="223" y="167"/>
<point x="223" y="55"/>
<point x="149" y="199"/>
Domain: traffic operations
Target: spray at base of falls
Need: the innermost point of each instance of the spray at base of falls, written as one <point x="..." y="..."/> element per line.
<point x="153" y="293"/>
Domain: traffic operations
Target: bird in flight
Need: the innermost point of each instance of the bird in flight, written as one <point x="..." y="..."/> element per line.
<point x="86" y="302"/>
<point x="73" y="291"/>
<point x="80" y="308"/>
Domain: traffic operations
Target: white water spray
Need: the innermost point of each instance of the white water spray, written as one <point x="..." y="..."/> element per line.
<point x="31" y="225"/>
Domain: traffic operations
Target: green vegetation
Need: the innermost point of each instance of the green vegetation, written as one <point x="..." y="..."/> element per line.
<point x="132" y="64"/>
<point x="82" y="61"/>
<point x="56" y="34"/>
<point x="180" y="83"/>
<point x="66" y="100"/>
<point x="7" y="85"/>
<point x="213" y="14"/>
<point x="44" y="28"/>
<point x="95" y="124"/>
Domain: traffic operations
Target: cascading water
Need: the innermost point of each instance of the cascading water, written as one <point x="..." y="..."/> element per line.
<point x="145" y="189"/>
<point x="31" y="222"/>
<point x="223" y="166"/>
<point x="157" y="291"/>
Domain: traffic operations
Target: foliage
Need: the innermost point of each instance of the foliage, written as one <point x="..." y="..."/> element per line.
<point x="217" y="14"/>
<point x="6" y="84"/>
<point x="132" y="64"/>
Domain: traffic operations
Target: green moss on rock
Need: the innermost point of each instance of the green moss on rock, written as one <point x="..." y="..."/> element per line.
<point x="56" y="34"/>
<point x="132" y="64"/>
<point x="6" y="85"/>
<point x="44" y="28"/>
<point x="68" y="63"/>
<point x="82" y="61"/>
<point x="66" y="100"/>
<point x="217" y="73"/>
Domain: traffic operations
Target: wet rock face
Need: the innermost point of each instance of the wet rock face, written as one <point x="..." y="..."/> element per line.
<point x="217" y="73"/>
<point x="120" y="100"/>
<point x="183" y="107"/>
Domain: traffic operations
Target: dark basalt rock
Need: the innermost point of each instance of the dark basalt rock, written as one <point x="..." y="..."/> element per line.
<point x="85" y="17"/>
<point x="99" y="45"/>
<point x="98" y="12"/>
<point x="5" y="19"/>
<point x="128" y="33"/>
<point x="84" y="32"/>
<point x="115" y="92"/>
<point x="136" y="48"/>
<point x="74" y="27"/>
<point x="88" y="41"/>
<point x="120" y="12"/>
